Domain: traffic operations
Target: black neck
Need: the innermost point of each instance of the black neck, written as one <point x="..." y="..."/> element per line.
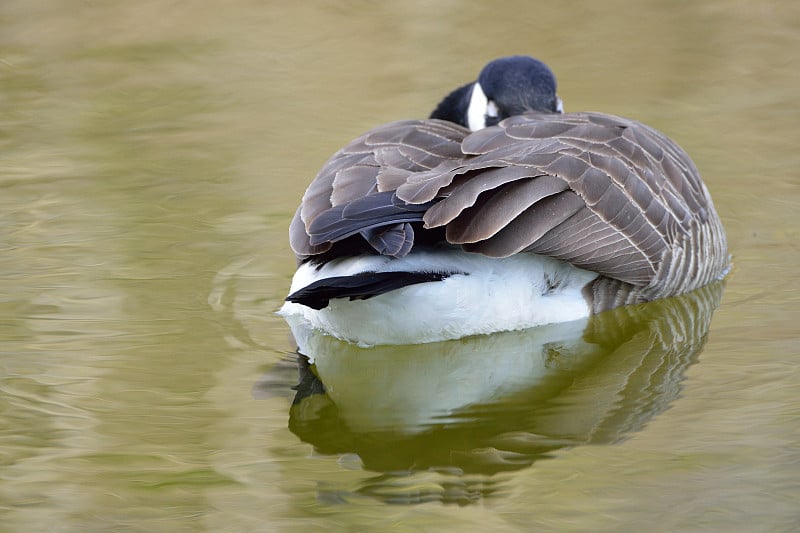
<point x="454" y="106"/>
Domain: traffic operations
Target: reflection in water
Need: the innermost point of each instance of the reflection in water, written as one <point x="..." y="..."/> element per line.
<point x="437" y="421"/>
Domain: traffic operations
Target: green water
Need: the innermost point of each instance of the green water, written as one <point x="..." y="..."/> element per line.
<point x="152" y="155"/>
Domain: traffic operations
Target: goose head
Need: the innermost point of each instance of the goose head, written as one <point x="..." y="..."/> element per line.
<point x="505" y="87"/>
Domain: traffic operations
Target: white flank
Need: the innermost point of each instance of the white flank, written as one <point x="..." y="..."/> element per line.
<point x="517" y="292"/>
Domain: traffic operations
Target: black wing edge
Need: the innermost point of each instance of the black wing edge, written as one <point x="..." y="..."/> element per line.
<point x="360" y="286"/>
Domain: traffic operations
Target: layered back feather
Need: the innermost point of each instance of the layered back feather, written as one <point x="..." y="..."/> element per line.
<point x="604" y="193"/>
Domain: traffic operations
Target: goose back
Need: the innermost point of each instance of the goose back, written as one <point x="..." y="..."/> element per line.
<point x="603" y="193"/>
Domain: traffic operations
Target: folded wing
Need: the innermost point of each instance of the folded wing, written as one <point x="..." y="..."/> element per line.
<point x="604" y="193"/>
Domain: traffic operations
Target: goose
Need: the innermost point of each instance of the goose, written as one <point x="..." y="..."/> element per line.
<point x="499" y="212"/>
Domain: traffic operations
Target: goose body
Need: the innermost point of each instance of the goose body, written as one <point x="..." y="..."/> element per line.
<point x="499" y="212"/>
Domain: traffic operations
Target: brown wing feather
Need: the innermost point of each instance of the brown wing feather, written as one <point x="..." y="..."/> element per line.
<point x="635" y="196"/>
<point x="605" y="193"/>
<point x="379" y="160"/>
<point x="500" y="209"/>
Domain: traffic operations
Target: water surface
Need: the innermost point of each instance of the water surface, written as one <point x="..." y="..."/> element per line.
<point x="152" y="155"/>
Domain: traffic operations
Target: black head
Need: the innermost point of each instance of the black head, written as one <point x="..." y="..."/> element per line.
<point x="505" y="87"/>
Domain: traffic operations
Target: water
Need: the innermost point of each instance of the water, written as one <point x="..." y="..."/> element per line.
<point x="151" y="157"/>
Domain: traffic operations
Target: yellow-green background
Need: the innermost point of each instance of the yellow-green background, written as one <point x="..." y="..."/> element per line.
<point x="152" y="154"/>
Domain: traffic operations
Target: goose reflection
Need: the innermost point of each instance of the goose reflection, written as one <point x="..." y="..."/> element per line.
<point x="489" y="404"/>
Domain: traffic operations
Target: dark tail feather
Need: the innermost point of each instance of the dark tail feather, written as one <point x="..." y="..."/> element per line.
<point x="370" y="216"/>
<point x="358" y="287"/>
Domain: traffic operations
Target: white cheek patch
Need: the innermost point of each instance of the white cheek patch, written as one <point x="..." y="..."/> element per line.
<point x="478" y="108"/>
<point x="559" y="105"/>
<point x="492" y="111"/>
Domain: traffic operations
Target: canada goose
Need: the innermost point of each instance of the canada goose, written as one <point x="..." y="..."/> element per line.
<point x="499" y="212"/>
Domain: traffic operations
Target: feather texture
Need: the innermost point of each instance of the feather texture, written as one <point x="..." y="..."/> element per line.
<point x="603" y="193"/>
